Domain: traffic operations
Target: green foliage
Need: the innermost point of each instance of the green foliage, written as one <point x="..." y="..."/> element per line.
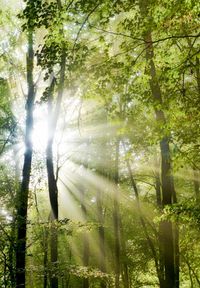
<point x="7" y="120"/>
<point x="102" y="46"/>
<point x="38" y="13"/>
<point x="186" y="212"/>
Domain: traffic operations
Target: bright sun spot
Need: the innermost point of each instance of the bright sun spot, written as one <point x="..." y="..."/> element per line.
<point x="40" y="129"/>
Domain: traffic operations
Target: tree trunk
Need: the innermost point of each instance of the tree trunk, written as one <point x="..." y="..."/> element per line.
<point x="100" y="215"/>
<point x="124" y="264"/>
<point x="196" y="185"/>
<point x="52" y="181"/>
<point x="53" y="193"/>
<point x="54" y="254"/>
<point x="22" y="197"/>
<point x="86" y="247"/>
<point x="45" y="259"/>
<point x="167" y="237"/>
<point x="116" y="218"/>
<point x="158" y="184"/>
<point x="150" y="243"/>
<point x="11" y="254"/>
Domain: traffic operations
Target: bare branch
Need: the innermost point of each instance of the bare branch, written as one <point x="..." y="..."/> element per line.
<point x="143" y="40"/>
<point x="82" y="25"/>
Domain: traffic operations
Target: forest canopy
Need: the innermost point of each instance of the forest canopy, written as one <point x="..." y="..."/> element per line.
<point x="99" y="144"/>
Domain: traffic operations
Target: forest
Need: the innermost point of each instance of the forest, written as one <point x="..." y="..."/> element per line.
<point x="99" y="144"/>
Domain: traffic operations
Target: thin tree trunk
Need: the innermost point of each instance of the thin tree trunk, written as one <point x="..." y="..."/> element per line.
<point x="86" y="247"/>
<point x="170" y="256"/>
<point x="158" y="184"/>
<point x="166" y="228"/>
<point x="142" y="220"/>
<point x="45" y="259"/>
<point x="100" y="215"/>
<point x="22" y="197"/>
<point x="124" y="264"/>
<point x="52" y="181"/>
<point x="198" y="74"/>
<point x="54" y="254"/>
<point x="125" y="275"/>
<point x="177" y="253"/>
<point x="116" y="218"/>
<point x="196" y="186"/>
<point x="11" y="254"/>
<point x="53" y="193"/>
<point x="168" y="238"/>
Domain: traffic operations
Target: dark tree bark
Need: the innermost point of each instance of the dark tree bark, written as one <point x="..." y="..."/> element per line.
<point x="125" y="273"/>
<point x="52" y="178"/>
<point x="53" y="193"/>
<point x="158" y="185"/>
<point x="22" y="197"/>
<point x="167" y="237"/>
<point x="11" y="253"/>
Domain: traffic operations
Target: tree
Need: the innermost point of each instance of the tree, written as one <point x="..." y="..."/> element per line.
<point x="22" y="197"/>
<point x="118" y="87"/>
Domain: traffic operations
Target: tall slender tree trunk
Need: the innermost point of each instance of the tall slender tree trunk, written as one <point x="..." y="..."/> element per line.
<point x="116" y="218"/>
<point x="125" y="275"/>
<point x="22" y="197"/>
<point x="121" y="266"/>
<point x="143" y="224"/>
<point x="53" y="194"/>
<point x="11" y="254"/>
<point x="86" y="247"/>
<point x="52" y="181"/>
<point x="124" y="264"/>
<point x="159" y="204"/>
<point x="167" y="237"/>
<point x="166" y="228"/>
<point x="12" y="251"/>
<point x="45" y="259"/>
<point x="101" y="231"/>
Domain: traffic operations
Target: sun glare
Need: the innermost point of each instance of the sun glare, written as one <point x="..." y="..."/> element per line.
<point x="40" y="129"/>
